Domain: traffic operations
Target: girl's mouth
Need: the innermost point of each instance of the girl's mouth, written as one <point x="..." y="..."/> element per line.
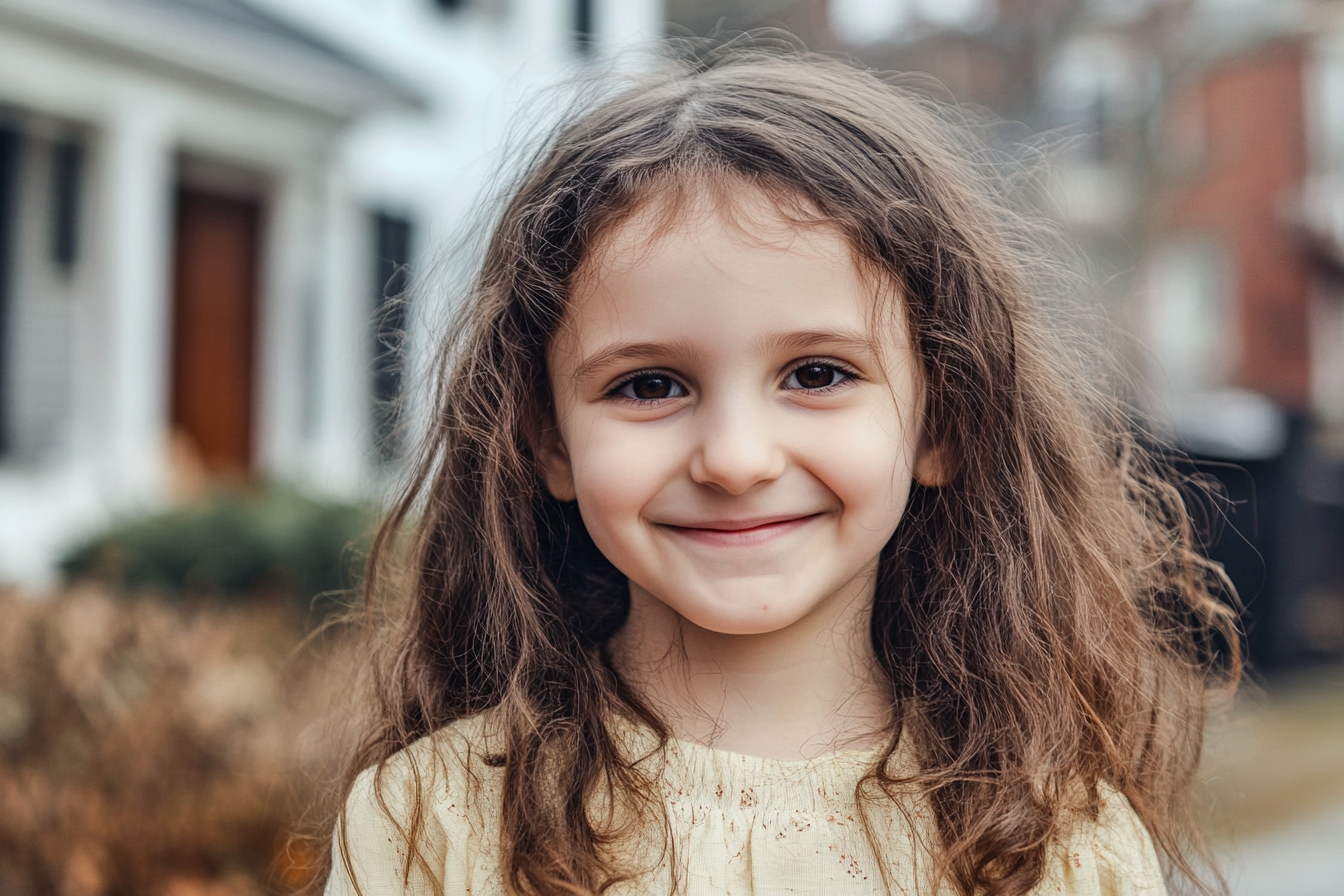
<point x="743" y="532"/>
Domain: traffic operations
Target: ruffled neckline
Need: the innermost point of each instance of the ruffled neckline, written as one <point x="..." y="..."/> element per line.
<point x="704" y="776"/>
<point x="768" y="766"/>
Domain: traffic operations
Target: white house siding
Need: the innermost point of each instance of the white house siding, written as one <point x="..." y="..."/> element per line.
<point x="41" y="314"/>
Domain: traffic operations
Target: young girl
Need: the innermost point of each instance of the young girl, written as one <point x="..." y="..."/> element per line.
<point x="770" y="538"/>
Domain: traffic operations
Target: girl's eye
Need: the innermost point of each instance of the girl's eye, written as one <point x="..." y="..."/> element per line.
<point x="650" y="387"/>
<point x="815" y="376"/>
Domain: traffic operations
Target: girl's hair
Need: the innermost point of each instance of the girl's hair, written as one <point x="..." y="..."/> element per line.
<point x="1045" y="616"/>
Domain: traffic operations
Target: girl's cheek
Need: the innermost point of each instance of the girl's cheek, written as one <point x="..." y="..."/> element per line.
<point x="869" y="465"/>
<point x="612" y="463"/>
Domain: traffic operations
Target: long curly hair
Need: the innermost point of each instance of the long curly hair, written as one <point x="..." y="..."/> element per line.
<point x="1045" y="615"/>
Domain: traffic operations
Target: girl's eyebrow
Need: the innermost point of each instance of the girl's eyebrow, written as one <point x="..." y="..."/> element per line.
<point x="848" y="340"/>
<point x="628" y="351"/>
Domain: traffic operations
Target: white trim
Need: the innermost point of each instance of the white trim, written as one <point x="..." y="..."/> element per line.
<point x="174" y="43"/>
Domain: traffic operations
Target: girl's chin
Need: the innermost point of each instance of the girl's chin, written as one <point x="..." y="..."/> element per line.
<point x="739" y="605"/>
<point x="742" y="616"/>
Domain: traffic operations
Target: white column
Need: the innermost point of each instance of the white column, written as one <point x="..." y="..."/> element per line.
<point x="291" y="260"/>
<point x="340" y="441"/>
<point x="622" y="25"/>
<point x="544" y="30"/>
<point x="131" y="384"/>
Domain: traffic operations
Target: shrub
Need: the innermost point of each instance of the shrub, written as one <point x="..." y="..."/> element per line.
<point x="232" y="544"/>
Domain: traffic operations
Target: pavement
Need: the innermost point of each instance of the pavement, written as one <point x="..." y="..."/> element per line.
<point x="1274" y="787"/>
<point x="1304" y="858"/>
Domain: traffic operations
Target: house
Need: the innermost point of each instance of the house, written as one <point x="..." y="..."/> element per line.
<point x="201" y="205"/>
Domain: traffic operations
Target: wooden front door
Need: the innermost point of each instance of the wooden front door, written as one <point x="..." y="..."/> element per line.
<point x="214" y="326"/>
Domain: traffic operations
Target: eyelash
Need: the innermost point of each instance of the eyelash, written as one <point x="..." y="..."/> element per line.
<point x="847" y="374"/>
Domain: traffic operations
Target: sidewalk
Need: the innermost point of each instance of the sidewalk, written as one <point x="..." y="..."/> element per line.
<point x="1304" y="858"/>
<point x="1274" y="786"/>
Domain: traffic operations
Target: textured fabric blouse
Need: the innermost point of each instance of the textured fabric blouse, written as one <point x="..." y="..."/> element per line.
<point x="739" y="826"/>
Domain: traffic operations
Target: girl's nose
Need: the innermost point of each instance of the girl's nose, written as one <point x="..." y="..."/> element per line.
<point x="737" y="451"/>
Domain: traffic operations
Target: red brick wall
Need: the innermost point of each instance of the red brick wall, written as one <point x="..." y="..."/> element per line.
<point x="1253" y="161"/>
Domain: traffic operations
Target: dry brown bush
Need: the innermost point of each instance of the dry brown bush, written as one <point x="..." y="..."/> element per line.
<point x="157" y="748"/>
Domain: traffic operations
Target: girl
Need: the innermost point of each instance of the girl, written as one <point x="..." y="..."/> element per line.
<point x="769" y="538"/>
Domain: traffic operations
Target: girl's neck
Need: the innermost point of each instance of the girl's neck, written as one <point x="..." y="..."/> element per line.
<point x="799" y="692"/>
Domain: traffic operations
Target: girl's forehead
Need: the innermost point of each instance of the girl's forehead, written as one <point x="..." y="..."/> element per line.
<point x="743" y="212"/>
<point x="670" y="234"/>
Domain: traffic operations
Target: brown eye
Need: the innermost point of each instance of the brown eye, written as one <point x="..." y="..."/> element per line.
<point x="814" y="376"/>
<point x="651" y="387"/>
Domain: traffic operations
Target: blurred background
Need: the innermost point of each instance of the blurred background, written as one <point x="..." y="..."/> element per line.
<point x="209" y="210"/>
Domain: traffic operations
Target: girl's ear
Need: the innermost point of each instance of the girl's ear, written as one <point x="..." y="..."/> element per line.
<point x="933" y="466"/>
<point x="553" y="458"/>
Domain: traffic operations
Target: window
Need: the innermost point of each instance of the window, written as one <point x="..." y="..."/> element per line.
<point x="1095" y="88"/>
<point x="583" y="26"/>
<point x="67" y="181"/>
<point x="1190" y="319"/>
<point x="392" y="248"/>
<point x="11" y="147"/>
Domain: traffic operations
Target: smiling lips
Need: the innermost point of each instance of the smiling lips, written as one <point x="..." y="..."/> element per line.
<point x="742" y="533"/>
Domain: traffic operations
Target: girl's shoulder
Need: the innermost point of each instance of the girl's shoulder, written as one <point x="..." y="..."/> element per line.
<point x="463" y="755"/>
<point x="427" y="813"/>
<point x="1109" y="852"/>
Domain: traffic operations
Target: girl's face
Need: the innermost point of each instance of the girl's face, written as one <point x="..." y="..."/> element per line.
<point x="739" y="444"/>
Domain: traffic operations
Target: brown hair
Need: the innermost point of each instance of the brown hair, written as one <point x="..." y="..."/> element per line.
<point x="1045" y="615"/>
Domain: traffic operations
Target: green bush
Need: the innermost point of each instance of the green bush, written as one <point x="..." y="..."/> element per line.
<point x="233" y="544"/>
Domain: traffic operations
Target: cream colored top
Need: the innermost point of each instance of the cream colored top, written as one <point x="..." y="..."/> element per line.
<point x="740" y="825"/>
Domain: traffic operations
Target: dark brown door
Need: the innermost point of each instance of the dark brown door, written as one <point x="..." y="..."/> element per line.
<point x="214" y="326"/>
